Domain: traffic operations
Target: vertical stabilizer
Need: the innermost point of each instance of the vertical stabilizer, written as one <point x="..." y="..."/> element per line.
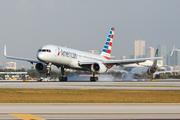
<point x="5" y="50"/>
<point x="155" y="61"/>
<point x="151" y="70"/>
<point x="108" y="45"/>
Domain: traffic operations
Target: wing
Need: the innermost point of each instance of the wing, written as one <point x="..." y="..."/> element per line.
<point x="18" y="58"/>
<point x="127" y="61"/>
<point x="122" y="62"/>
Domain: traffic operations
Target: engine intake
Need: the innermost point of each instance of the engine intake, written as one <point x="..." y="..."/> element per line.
<point x="40" y="67"/>
<point x="151" y="71"/>
<point x="98" y="68"/>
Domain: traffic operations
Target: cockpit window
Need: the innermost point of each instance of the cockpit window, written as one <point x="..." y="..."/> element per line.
<point x="44" y="50"/>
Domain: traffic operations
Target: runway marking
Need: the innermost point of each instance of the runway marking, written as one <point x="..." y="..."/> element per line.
<point x="76" y="113"/>
<point x="87" y="88"/>
<point x="88" y="114"/>
<point x="27" y="116"/>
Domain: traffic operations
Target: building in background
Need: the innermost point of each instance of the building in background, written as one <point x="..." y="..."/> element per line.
<point x="175" y="59"/>
<point x="1" y="66"/>
<point x="177" y="67"/>
<point x="23" y="67"/>
<point x="163" y="51"/>
<point x="94" y="52"/>
<point x="11" y="65"/>
<point x="123" y="57"/>
<point x="169" y="68"/>
<point x="112" y="57"/>
<point x="160" y="62"/>
<point x="139" y="49"/>
<point x="33" y="67"/>
<point x="150" y="52"/>
<point x="131" y="56"/>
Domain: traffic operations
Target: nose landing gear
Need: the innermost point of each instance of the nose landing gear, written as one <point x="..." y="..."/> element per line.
<point x="48" y="69"/>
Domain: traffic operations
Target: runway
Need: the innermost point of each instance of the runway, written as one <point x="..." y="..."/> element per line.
<point x="53" y="111"/>
<point x="90" y="111"/>
<point x="92" y="85"/>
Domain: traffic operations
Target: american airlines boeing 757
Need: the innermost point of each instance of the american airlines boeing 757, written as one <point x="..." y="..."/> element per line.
<point x="63" y="58"/>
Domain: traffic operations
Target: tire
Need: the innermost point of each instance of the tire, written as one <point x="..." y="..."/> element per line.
<point x="62" y="78"/>
<point x="48" y="74"/>
<point x="93" y="79"/>
<point x="157" y="76"/>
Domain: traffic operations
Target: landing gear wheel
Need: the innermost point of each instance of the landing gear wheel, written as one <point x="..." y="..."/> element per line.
<point x="62" y="78"/>
<point x="62" y="72"/>
<point x="157" y="76"/>
<point x="93" y="79"/>
<point x="48" y="74"/>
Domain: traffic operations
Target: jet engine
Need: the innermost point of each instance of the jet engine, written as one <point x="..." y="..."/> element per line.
<point x="151" y="70"/>
<point x="143" y="71"/>
<point x="40" y="67"/>
<point x="98" y="68"/>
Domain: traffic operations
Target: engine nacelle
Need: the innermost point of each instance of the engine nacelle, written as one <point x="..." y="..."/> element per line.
<point x="143" y="71"/>
<point x="151" y="70"/>
<point x="40" y="67"/>
<point x="99" y="68"/>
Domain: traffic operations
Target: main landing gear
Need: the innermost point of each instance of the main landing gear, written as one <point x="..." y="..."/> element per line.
<point x="62" y="78"/>
<point x="93" y="79"/>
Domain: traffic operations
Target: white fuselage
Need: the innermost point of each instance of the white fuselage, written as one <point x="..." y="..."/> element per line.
<point x="62" y="56"/>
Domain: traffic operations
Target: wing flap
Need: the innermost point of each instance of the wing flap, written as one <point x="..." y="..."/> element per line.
<point x="129" y="61"/>
<point x="86" y="63"/>
<point x="121" y="62"/>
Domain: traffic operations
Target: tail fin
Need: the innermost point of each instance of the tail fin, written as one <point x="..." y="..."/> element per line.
<point x="108" y="45"/>
<point x="155" y="61"/>
<point x="154" y="66"/>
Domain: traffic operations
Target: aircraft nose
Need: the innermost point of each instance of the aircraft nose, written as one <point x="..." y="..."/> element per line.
<point x="40" y="56"/>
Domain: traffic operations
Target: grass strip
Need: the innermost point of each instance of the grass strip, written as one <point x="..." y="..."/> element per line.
<point x="87" y="96"/>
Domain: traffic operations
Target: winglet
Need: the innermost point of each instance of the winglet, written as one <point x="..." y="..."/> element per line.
<point x="18" y="58"/>
<point x="171" y="53"/>
<point x="5" y="51"/>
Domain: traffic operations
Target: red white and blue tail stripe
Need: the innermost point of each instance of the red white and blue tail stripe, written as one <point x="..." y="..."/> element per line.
<point x="108" y="45"/>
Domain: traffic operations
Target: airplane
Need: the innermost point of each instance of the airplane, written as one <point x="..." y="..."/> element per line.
<point x="65" y="58"/>
<point x="147" y="68"/>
